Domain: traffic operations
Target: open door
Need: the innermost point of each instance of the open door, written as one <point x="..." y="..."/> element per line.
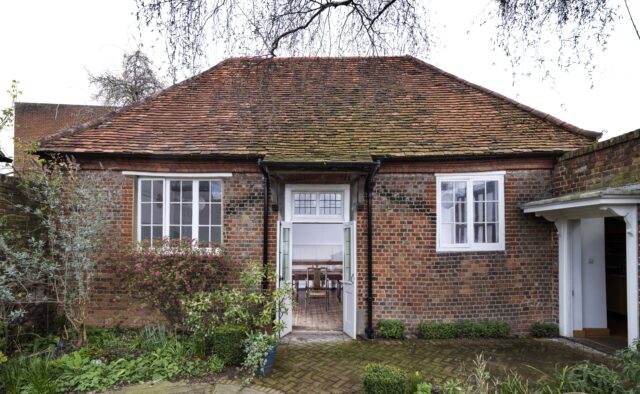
<point x="283" y="269"/>
<point x="349" y="280"/>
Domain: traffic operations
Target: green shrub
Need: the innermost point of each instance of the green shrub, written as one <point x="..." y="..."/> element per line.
<point x="393" y="329"/>
<point x="544" y="330"/>
<point x="382" y="379"/>
<point x="586" y="377"/>
<point x="493" y="329"/>
<point x="227" y="342"/>
<point x="483" y="329"/>
<point x="629" y="363"/>
<point x="437" y="330"/>
<point x="424" y="388"/>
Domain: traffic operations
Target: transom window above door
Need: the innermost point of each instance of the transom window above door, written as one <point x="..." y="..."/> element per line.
<point x="180" y="209"/>
<point x="470" y="212"/>
<point x="317" y="202"/>
<point x="325" y="204"/>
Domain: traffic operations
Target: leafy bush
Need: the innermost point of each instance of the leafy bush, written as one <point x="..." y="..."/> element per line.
<point x="434" y="330"/>
<point x="382" y="379"/>
<point x="227" y="342"/>
<point x="168" y="271"/>
<point x="393" y="329"/>
<point x="544" y="330"/>
<point x="257" y="348"/>
<point x="483" y="329"/>
<point x="629" y="363"/>
<point x="423" y="388"/>
<point x="586" y="377"/>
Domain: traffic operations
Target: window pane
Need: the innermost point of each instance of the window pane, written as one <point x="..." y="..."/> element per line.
<point x="461" y="233"/>
<point x="157" y="213"/>
<point x="304" y="203"/>
<point x="203" y="234"/>
<point x="446" y="233"/>
<point x="203" y="213"/>
<point x="204" y="191"/>
<point x="174" y="214"/>
<point x="492" y="212"/>
<point x="479" y="234"/>
<point x="145" y="233"/>
<point x="157" y="191"/>
<point x="446" y="191"/>
<point x="330" y="204"/>
<point x="461" y="213"/>
<point x="492" y="232"/>
<point x="478" y="212"/>
<point x="478" y="191"/>
<point x="461" y="191"/>
<point x="492" y="187"/>
<point x="145" y="214"/>
<point x="216" y="214"/>
<point x="145" y="191"/>
<point x="216" y="191"/>
<point x="187" y="213"/>
<point x="187" y="191"/>
<point x="186" y="232"/>
<point x="174" y="232"/>
<point x="175" y="191"/>
<point x="216" y="235"/>
<point x="447" y="212"/>
<point x="157" y="232"/>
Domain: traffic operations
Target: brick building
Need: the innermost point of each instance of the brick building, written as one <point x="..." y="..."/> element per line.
<point x="410" y="193"/>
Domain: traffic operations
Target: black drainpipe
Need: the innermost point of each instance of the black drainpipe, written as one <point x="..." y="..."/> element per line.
<point x="265" y="221"/>
<point x="369" y="186"/>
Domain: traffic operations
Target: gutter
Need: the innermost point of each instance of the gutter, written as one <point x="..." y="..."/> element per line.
<point x="369" y="186"/>
<point x="265" y="222"/>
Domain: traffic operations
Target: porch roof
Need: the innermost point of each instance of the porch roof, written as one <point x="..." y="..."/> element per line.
<point x="585" y="203"/>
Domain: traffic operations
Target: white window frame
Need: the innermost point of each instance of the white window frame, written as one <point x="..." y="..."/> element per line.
<point x="469" y="178"/>
<point x="195" y="219"/>
<point x="290" y="216"/>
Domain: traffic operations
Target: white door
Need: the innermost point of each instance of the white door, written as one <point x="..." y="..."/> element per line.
<point x="283" y="269"/>
<point x="349" y="280"/>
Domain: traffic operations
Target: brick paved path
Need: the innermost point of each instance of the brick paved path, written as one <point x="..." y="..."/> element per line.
<point x="336" y="367"/>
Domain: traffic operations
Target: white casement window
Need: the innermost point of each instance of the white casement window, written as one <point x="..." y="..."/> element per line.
<point x="180" y="209"/>
<point x="470" y="212"/>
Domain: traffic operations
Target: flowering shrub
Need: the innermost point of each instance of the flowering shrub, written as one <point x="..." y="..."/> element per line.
<point x="164" y="273"/>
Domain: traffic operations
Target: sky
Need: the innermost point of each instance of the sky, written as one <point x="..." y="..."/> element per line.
<point x="50" y="46"/>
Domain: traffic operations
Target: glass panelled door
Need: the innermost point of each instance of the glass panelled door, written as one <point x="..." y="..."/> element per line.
<point x="283" y="267"/>
<point x="349" y="279"/>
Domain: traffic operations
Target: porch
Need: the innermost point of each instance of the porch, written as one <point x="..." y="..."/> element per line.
<point x="597" y="263"/>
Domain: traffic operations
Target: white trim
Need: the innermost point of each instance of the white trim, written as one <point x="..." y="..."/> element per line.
<point x="469" y="178"/>
<point x="560" y="205"/>
<point x="470" y="174"/>
<point x="179" y="174"/>
<point x="341" y="188"/>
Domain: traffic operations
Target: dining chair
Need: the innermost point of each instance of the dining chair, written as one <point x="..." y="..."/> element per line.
<point x="319" y="288"/>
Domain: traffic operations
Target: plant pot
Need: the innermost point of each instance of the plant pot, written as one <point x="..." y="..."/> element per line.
<point x="270" y="360"/>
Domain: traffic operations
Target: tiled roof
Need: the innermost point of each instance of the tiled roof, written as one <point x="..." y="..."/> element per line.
<point x="323" y="109"/>
<point x="36" y="120"/>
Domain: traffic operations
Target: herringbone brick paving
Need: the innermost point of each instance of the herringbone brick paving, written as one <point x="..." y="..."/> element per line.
<point x="336" y="367"/>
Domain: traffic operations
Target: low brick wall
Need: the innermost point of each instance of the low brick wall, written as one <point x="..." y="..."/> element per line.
<point x="614" y="162"/>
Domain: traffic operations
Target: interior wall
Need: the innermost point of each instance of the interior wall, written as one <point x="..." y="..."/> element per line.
<point x="317" y="242"/>
<point x="594" y="299"/>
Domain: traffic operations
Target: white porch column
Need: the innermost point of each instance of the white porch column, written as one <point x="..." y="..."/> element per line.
<point x="565" y="278"/>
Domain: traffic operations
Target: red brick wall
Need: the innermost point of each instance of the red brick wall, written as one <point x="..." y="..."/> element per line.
<point x="242" y="232"/>
<point x="413" y="283"/>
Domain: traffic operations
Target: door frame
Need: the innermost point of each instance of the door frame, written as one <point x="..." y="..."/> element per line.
<point x="344" y="219"/>
<point x="566" y="268"/>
